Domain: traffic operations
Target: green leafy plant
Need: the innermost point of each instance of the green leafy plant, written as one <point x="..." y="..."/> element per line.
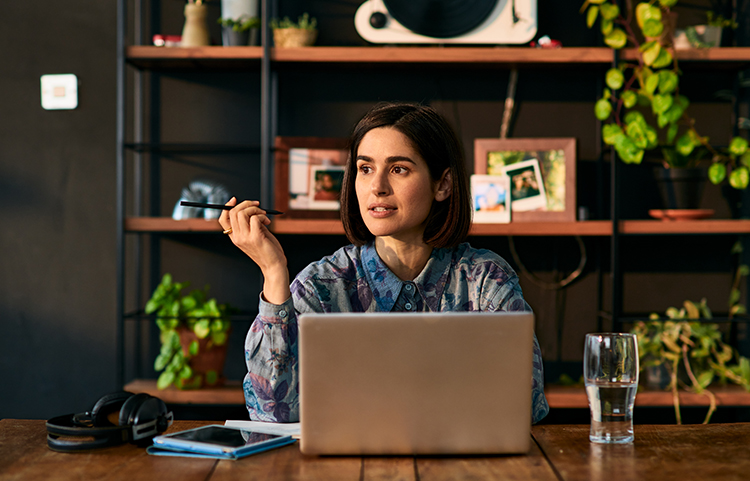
<point x="241" y="24"/>
<point x="205" y="317"/>
<point x="718" y="20"/>
<point x="692" y="351"/>
<point x="304" y="22"/>
<point x="650" y="84"/>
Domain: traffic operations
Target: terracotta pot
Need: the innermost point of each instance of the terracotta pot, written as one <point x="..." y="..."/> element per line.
<point x="294" y="37"/>
<point x="210" y="357"/>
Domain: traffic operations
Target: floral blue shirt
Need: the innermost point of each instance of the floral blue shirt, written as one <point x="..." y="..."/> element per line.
<point x="354" y="279"/>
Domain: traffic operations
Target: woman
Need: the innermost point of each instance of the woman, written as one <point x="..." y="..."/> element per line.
<point x="406" y="208"/>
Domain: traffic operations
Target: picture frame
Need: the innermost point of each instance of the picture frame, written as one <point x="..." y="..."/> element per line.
<point x="490" y="196"/>
<point x="557" y="165"/>
<point x="297" y="162"/>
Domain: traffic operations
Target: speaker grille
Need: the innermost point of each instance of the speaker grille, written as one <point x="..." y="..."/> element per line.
<point x="440" y="18"/>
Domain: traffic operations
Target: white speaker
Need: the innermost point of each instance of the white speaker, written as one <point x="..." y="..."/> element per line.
<point x="497" y="22"/>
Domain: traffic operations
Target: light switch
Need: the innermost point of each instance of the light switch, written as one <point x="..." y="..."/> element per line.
<point x="60" y="91"/>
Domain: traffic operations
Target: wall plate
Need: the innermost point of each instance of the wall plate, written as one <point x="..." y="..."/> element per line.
<point x="59" y="91"/>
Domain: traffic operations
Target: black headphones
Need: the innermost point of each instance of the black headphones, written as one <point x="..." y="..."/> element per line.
<point x="141" y="417"/>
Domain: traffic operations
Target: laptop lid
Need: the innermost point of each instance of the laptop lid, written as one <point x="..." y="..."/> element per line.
<point x="415" y="383"/>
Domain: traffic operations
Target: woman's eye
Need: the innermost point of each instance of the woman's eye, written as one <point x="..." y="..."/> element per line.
<point x="397" y="169"/>
<point x="365" y="169"/>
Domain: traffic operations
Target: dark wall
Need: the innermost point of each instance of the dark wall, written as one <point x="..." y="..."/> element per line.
<point x="57" y="209"/>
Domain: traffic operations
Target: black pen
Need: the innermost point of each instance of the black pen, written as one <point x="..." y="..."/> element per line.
<point x="222" y="206"/>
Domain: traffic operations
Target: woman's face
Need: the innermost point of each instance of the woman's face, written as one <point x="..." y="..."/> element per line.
<point x="394" y="188"/>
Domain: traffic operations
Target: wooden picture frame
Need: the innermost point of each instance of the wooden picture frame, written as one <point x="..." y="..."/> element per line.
<point x="557" y="162"/>
<point x="320" y="152"/>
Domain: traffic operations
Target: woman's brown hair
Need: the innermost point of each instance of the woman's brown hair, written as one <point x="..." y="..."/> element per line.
<point x="433" y="138"/>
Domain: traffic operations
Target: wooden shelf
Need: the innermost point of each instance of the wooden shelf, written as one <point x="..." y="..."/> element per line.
<point x="560" y="397"/>
<point x="229" y="394"/>
<point x="144" y="56"/>
<point x="575" y="397"/>
<point x="582" y="228"/>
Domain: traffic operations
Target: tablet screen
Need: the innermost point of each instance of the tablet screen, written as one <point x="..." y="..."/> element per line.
<point x="223" y="436"/>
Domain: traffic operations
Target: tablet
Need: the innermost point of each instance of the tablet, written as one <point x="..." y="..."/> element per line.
<point x="216" y="440"/>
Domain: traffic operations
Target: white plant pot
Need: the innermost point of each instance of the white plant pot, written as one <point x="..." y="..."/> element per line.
<point x="235" y="9"/>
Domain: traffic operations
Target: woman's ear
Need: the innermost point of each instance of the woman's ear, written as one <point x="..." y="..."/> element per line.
<point x="444" y="187"/>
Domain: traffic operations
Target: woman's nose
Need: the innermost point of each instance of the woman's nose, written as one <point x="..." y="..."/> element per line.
<point x="380" y="185"/>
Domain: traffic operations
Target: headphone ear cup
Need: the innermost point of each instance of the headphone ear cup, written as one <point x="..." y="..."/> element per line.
<point x="129" y="410"/>
<point x="106" y="405"/>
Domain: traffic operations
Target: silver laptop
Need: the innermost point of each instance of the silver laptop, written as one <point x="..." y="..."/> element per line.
<point x="415" y="383"/>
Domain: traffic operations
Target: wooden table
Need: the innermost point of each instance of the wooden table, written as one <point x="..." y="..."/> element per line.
<point x="560" y="452"/>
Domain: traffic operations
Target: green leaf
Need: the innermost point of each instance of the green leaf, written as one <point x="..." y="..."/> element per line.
<point x="609" y="11"/>
<point x="668" y="81"/>
<point x="165" y="380"/>
<point x="591" y="15"/>
<point x="661" y="103"/>
<point x="193" y="348"/>
<point x="186" y="372"/>
<point x="627" y="150"/>
<point x="602" y="109"/>
<point x="738" y="146"/>
<point x="609" y="132"/>
<point x="219" y="338"/>
<point x="745" y="368"/>
<point x="616" y="38"/>
<point x="629" y="98"/>
<point x="652" y="28"/>
<point x="737" y="309"/>
<point x="211" y="377"/>
<point x="637" y="133"/>
<point x="161" y="362"/>
<point x="652" y="82"/>
<point x="716" y="173"/>
<point x="614" y="78"/>
<point x="672" y="133"/>
<point x="684" y="144"/>
<point x="737" y="249"/>
<point x="705" y="379"/>
<point x="743" y="270"/>
<point x="663" y="60"/>
<point x="650" y="52"/>
<point x="606" y="26"/>
<point x="739" y="178"/>
<point x="202" y="328"/>
<point x="668" y="3"/>
<point x="643" y="12"/>
<point x="745" y="159"/>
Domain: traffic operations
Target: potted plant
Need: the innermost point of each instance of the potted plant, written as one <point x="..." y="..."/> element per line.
<point x="286" y="33"/>
<point x="239" y="32"/>
<point x="642" y="106"/>
<point x="689" y="354"/>
<point x="193" y="331"/>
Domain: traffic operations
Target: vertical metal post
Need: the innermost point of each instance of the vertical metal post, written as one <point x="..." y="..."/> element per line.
<point x="266" y="116"/>
<point x="120" y="193"/>
<point x="617" y="277"/>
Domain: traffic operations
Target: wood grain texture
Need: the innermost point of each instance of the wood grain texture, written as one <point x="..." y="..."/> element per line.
<point x="716" y="452"/>
<point x="513" y="467"/>
<point x="24" y="455"/>
<point x="575" y="397"/>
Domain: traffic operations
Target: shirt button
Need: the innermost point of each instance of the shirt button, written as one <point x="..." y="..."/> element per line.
<point x="408" y="306"/>
<point x="408" y="287"/>
<point x="282" y="314"/>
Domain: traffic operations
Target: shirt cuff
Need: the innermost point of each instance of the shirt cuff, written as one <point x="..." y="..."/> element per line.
<point x="279" y="312"/>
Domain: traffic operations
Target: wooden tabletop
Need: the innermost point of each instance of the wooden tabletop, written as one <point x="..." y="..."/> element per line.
<point x="560" y="452"/>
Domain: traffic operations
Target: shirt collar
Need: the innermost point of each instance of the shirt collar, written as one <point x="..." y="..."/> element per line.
<point x="386" y="286"/>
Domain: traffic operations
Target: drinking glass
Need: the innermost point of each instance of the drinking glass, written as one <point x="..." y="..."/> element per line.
<point x="610" y="371"/>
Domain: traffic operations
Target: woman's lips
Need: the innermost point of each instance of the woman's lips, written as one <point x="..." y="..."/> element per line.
<point x="381" y="210"/>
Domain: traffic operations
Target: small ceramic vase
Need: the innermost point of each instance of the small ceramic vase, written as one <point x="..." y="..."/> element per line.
<point x="195" y="31"/>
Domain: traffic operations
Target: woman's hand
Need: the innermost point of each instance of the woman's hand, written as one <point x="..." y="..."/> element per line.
<point x="247" y="225"/>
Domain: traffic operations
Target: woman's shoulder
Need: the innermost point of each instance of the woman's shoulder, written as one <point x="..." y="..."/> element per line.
<point x="341" y="264"/>
<point x="467" y="257"/>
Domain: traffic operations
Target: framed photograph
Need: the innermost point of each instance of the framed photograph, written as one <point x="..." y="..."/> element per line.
<point x="556" y="158"/>
<point x="526" y="186"/>
<point x="491" y="199"/>
<point x="309" y="173"/>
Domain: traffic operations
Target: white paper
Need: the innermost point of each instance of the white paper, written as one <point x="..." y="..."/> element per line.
<point x="286" y="429"/>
